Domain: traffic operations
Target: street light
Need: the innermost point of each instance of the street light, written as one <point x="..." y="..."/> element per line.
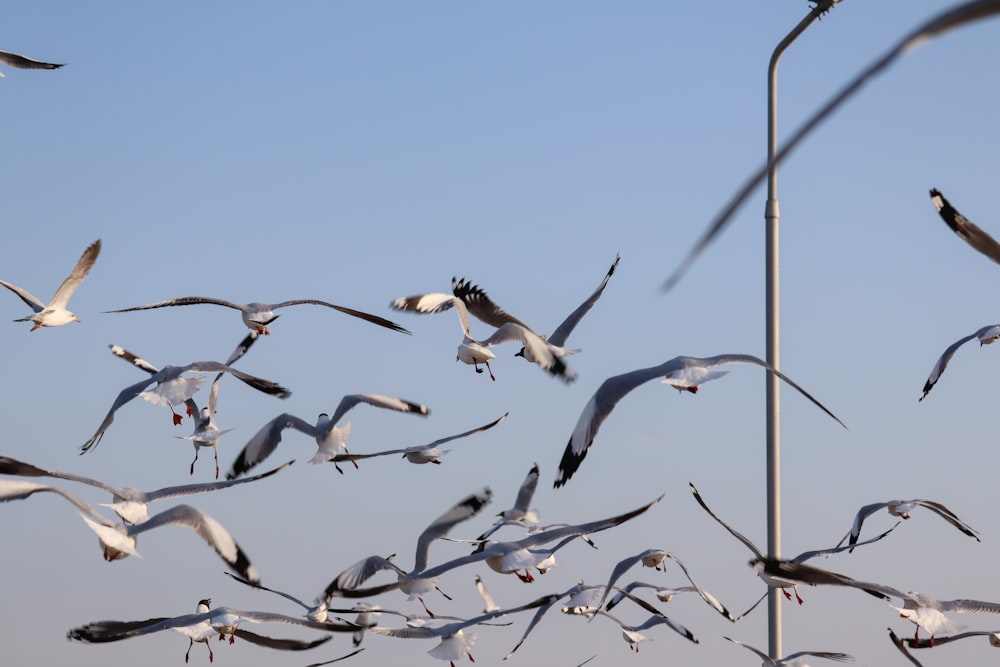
<point x="772" y="339"/>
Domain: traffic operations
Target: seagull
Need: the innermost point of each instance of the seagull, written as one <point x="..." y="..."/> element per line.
<point x="206" y="431"/>
<point x="171" y="388"/>
<point x="474" y="352"/>
<point x="616" y="388"/>
<point x="797" y="659"/>
<point x="420" y="454"/>
<point x="966" y="230"/>
<point x="558" y="337"/>
<point x="575" y="593"/>
<point x="346" y="583"/>
<point x="330" y="440"/>
<point x="118" y="540"/>
<point x="632" y="634"/>
<point x="656" y="559"/>
<point x="776" y="581"/>
<point x="23" y="62"/>
<point x="491" y="605"/>
<point x="221" y="620"/>
<point x="131" y="505"/>
<point x="902" y="508"/>
<point x="54" y="313"/>
<point x="413" y="583"/>
<point x="258" y="316"/>
<point x="986" y="335"/>
<point x="519" y="514"/>
<point x="922" y="610"/>
<point x="455" y="642"/>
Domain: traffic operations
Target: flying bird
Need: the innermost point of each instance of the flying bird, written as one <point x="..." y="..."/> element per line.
<point x="172" y="388"/>
<point x="330" y="440"/>
<point x="206" y="432"/>
<point x="54" y="313"/>
<point x="519" y="514"/>
<point x="23" y="62"/>
<point x="616" y="388"/>
<point x="966" y="230"/>
<point x="118" y="540"/>
<point x="986" y="335"/>
<point x="413" y="583"/>
<point x="902" y="509"/>
<point x="419" y="454"/>
<point x="509" y="329"/>
<point x="258" y="316"/>
<point x="557" y="339"/>
<point x="128" y="503"/>
<point x="797" y="659"/>
<point x="777" y="581"/>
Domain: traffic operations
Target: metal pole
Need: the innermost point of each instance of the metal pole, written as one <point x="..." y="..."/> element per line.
<point x="772" y="216"/>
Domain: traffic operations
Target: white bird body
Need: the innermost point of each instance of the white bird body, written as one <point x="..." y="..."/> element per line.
<point x="55" y="313"/>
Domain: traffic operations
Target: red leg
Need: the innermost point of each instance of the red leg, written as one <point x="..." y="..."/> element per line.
<point x="442" y="592"/>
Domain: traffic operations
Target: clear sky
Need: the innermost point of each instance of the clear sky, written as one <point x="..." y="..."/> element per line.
<point x="359" y="152"/>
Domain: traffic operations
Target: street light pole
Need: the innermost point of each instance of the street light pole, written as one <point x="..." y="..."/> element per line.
<point x="772" y="217"/>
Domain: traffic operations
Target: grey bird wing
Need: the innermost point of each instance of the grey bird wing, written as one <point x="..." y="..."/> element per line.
<point x="210" y="530"/>
<point x="976" y="237"/>
<point x="368" y="317"/>
<point x="25" y="296"/>
<point x="260" y="384"/>
<point x="242" y="347"/>
<point x="807" y="555"/>
<point x="738" y="535"/>
<point x="461" y="511"/>
<point x="133" y="359"/>
<point x="257" y="585"/>
<point x="943" y="360"/>
<point x="126" y="395"/>
<point x="80" y="271"/>
<point x="343" y="657"/>
<point x="191" y="489"/>
<point x="11" y="466"/>
<point x="481" y="306"/>
<point x="18" y="490"/>
<point x="949" y="516"/>
<point x="265" y="441"/>
<point x="24" y="62"/>
<point x="526" y="492"/>
<point x="562" y="332"/>
<point x="351" y="457"/>
<point x="623" y="566"/>
<point x="278" y="643"/>
<point x="182" y="301"/>
<point x="377" y="400"/>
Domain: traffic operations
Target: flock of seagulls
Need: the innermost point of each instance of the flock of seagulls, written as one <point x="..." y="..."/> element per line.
<point x="535" y="551"/>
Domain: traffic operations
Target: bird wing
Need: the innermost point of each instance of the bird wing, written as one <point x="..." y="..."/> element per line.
<point x="526" y="492"/>
<point x="126" y="395"/>
<point x="942" y="363"/>
<point x="265" y="441"/>
<point x="23" y="62"/>
<point x="807" y="555"/>
<point x="11" y="466"/>
<point x="859" y="520"/>
<point x="80" y="271"/>
<point x="260" y="384"/>
<point x="385" y="402"/>
<point x="901" y="645"/>
<point x="434" y="302"/>
<point x="562" y="332"/>
<point x="17" y="490"/>
<point x="540" y="351"/>
<point x="368" y="317"/>
<point x="738" y="535"/>
<point x="210" y="530"/>
<point x="948" y="516"/>
<point x="461" y="511"/>
<point x="966" y="230"/>
<point x="256" y="584"/>
<point x="182" y="301"/>
<point x="191" y="489"/>
<point x="491" y="605"/>
<point x="351" y="457"/>
<point x="481" y="306"/>
<point x="26" y="296"/>
<point x="281" y="644"/>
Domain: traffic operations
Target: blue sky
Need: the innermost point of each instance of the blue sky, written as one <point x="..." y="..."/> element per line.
<point x="360" y="152"/>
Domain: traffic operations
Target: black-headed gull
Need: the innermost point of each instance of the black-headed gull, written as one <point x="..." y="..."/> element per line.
<point x="797" y="659"/>
<point x="922" y="610"/>
<point x="519" y="514"/>
<point x="118" y="540"/>
<point x="419" y="454"/>
<point x="455" y="642"/>
<point x="219" y="622"/>
<point x="413" y="583"/>
<point x="578" y="591"/>
<point x="509" y="329"/>
<point x="986" y="335"/>
<point x="656" y="559"/>
<point x="206" y="432"/>
<point x="966" y="230"/>
<point x="617" y="387"/>
<point x="128" y="503"/>
<point x="172" y="388"/>
<point x="24" y="62"/>
<point x="257" y="316"/>
<point x="330" y="440"/>
<point x="54" y="313"/>
<point x="902" y="509"/>
<point x="773" y="581"/>
<point x="557" y="339"/>
<point x="632" y="634"/>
